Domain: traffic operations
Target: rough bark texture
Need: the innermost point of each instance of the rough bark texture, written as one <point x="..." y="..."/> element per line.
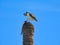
<point x="27" y="31"/>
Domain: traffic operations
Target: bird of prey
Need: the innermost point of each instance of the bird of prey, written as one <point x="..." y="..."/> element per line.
<point x="30" y="16"/>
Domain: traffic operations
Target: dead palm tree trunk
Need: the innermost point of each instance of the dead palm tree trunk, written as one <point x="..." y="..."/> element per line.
<point x="27" y="31"/>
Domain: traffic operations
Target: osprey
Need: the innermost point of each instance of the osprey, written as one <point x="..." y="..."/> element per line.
<point x="30" y="16"/>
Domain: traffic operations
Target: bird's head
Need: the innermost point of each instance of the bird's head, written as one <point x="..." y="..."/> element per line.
<point x="25" y="14"/>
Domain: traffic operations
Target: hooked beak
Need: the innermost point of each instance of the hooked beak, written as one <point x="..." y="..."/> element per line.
<point x="25" y="14"/>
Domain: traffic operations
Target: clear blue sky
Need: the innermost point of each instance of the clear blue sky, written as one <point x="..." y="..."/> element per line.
<point x="47" y="29"/>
